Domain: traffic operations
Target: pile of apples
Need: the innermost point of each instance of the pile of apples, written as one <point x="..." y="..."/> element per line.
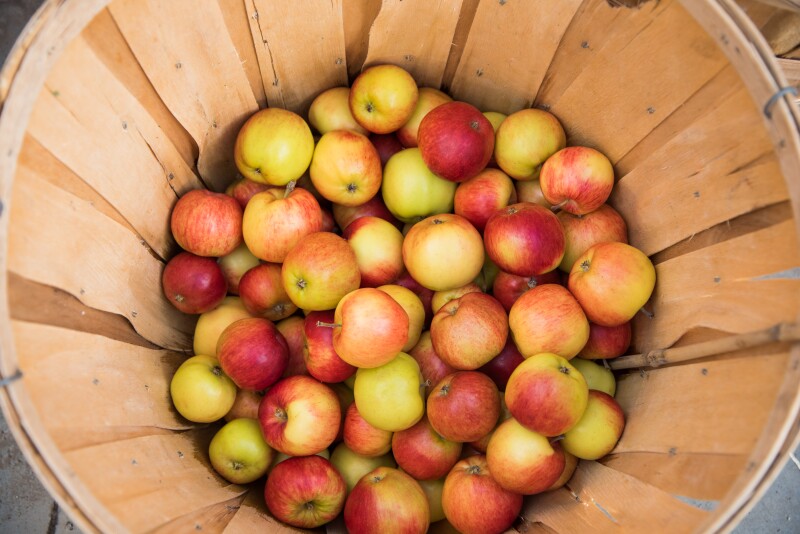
<point x="398" y="318"/>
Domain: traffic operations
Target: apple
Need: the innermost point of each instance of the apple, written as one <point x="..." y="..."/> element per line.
<point x="423" y="453"/>
<point x="300" y="416"/>
<point x="293" y="331"/>
<point x="547" y="318"/>
<point x="464" y="406"/>
<point x="253" y="353"/>
<point x="275" y="220"/>
<point x="577" y="179"/>
<point x="363" y="438"/>
<point x="383" y="97"/>
<point x="612" y="281"/>
<point x="245" y="405"/>
<point x="413" y="307"/>
<point x="386" y="500"/>
<point x="344" y="215"/>
<point x="500" y="367"/>
<point x="352" y="466"/>
<point x="525" y="139"/>
<point x="440" y="298"/>
<point x="432" y="367"/>
<point x="597" y="376"/>
<point x="201" y="391"/>
<point x="378" y="246"/>
<point x="583" y="231"/>
<point x="274" y="146"/>
<point x="387" y="146"/>
<point x="598" y="430"/>
<point x="320" y="270"/>
<point x="523" y="461"/>
<point x="570" y="464"/>
<point x="243" y="190"/>
<point x="546" y="394"/>
<point x="428" y="99"/>
<point x="606" y="342"/>
<point x="469" y="331"/>
<point x="495" y="118"/>
<point x="346" y="168"/>
<point x="321" y="359"/>
<point x="282" y="457"/>
<point x="480" y="445"/>
<point x="238" y="451"/>
<point x="305" y="492"/>
<point x="389" y="397"/>
<point x="211" y="324"/>
<point x="206" y="223"/>
<point x="193" y="284"/>
<point x="479" y="197"/>
<point x="433" y="491"/>
<point x="509" y="287"/>
<point x="411" y="191"/>
<point x="263" y="295"/>
<point x="530" y="191"/>
<point x="424" y="294"/>
<point x="235" y="264"/>
<point x="524" y="239"/>
<point x="473" y="501"/>
<point x="330" y="110"/>
<point x="344" y="392"/>
<point x="432" y="245"/>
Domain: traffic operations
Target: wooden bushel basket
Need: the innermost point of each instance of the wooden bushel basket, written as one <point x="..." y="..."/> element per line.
<point x="110" y="110"/>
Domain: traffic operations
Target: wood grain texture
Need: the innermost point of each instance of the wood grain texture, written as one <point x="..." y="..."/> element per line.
<point x="238" y="21"/>
<point x="253" y="515"/>
<point x="357" y="18"/>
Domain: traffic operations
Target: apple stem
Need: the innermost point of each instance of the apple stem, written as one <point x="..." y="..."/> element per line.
<point x="289" y="188"/>
<point x="647" y="312"/>
<point x="329" y="325"/>
<point x="557" y="439"/>
<point x="605" y="364"/>
<point x="532" y="282"/>
<point x="556" y="208"/>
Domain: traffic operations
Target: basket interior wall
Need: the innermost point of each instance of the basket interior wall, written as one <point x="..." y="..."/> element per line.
<point x="143" y="105"/>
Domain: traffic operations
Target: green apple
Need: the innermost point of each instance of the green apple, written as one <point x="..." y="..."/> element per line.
<point x="597" y="377"/>
<point x="238" y="451"/>
<point x="525" y="139"/>
<point x="352" y="466"/>
<point x="411" y="191"/>
<point x="390" y="396"/>
<point x="433" y="491"/>
<point x="201" y="391"/>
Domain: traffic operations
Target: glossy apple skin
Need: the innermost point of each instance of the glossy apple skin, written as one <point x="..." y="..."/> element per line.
<point x="305" y="492"/>
<point x="211" y="324"/>
<point x="330" y="110"/>
<point x="253" y="353"/>
<point x="606" y="342"/>
<point x="612" y="281"/>
<point x="500" y="367"/>
<point x="411" y="191"/>
<point x="473" y="501"/>
<point x="413" y="307"/>
<point x="428" y="99"/>
<point x="235" y="265"/>
<point x="525" y="139"/>
<point x="547" y="318"/>
<point x="292" y="329"/>
<point x="584" y="231"/>
<point x="432" y="367"/>
<point x="201" y="391"/>
<point x="546" y="394"/>
<point x="460" y="397"/>
<point x="577" y="178"/>
<point x="378" y="246"/>
<point x="479" y="197"/>
<point x="206" y="223"/>
<point x="263" y="295"/>
<point x="193" y="284"/>
<point x="346" y="168"/>
<point x="382" y="98"/>
<point x="243" y="190"/>
<point x="599" y="429"/>
<point x="321" y="359"/>
<point x="456" y="141"/>
<point x="469" y="331"/>
<point x="524" y="239"/>
<point x="344" y="215"/>
<point x="386" y="500"/>
<point x="423" y="453"/>
<point x="507" y="287"/>
<point x="363" y="438"/>
<point x="238" y="451"/>
<point x="353" y="466"/>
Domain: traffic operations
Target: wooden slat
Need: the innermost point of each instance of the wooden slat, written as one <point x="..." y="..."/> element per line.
<point x="300" y="55"/>
<point x="237" y="19"/>
<point x="357" y="18"/>
<point x="422" y="52"/>
<point x="509" y="81"/>
<point x="60" y="240"/>
<point x="253" y="516"/>
<point x="187" y="53"/>
<point x="460" y="36"/>
<point x="212" y="518"/>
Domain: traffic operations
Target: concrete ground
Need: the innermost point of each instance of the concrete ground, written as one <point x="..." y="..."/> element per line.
<point x="26" y="507"/>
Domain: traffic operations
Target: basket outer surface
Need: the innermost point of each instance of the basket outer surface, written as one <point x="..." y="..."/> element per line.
<point x="110" y="111"/>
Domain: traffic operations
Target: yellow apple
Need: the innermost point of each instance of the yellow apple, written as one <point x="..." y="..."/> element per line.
<point x="383" y="97"/>
<point x="201" y="391"/>
<point x="330" y="111"/>
<point x="598" y="430"/>
<point x="346" y="168"/>
<point x="433" y="491"/>
<point x="525" y="139"/>
<point x="211" y="324"/>
<point x="390" y="396"/>
<point x="238" y="451"/>
<point x="597" y="377"/>
<point x="411" y="191"/>
<point x="429" y="98"/>
<point x="495" y="117"/>
<point x="414" y="308"/>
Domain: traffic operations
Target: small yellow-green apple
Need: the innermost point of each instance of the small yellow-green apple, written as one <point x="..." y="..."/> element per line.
<point x="530" y="191"/>
<point x="383" y="97"/>
<point x="495" y="118"/>
<point x="525" y="139"/>
<point x="253" y="353"/>
<point x="464" y="406"/>
<point x="330" y="110"/>
<point x="570" y="464"/>
<point x="300" y="416"/>
<point x="546" y="394"/>
<point x="456" y="141"/>
<point x="584" y="231"/>
<point x="423" y="453"/>
<point x="424" y="294"/>
<point x="211" y="324"/>
<point x="243" y="190"/>
<point x="352" y="466"/>
<point x="386" y="500"/>
<point x="235" y="264"/>
<point x="523" y="461"/>
<point x="206" y="223"/>
<point x="598" y="430"/>
<point x="500" y="367"/>
<point x="305" y="492"/>
<point x="443" y="252"/>
<point x="479" y="197"/>
<point x="201" y="391"/>
<point x="606" y="342"/>
<point x="428" y="99"/>
<point x="274" y="146"/>
<point x="390" y="397"/>
<point x="193" y="284"/>
<point x="320" y="270"/>
<point x="363" y="438"/>
<point x="469" y="331"/>
<point x="263" y="295"/>
<point x="524" y="239"/>
<point x="245" y="405"/>
<point x="547" y="318"/>
<point x="432" y="367"/>
<point x="440" y="298"/>
<point x="411" y="191"/>
<point x="275" y="220"/>
<point x="238" y="451"/>
<point x="346" y="168"/>
<point x="321" y="359"/>
<point x="378" y="246"/>
<point x="597" y="377"/>
<point x="509" y="287"/>
<point x="473" y="501"/>
<point x="578" y="179"/>
<point x="612" y="281"/>
<point x="413" y="307"/>
<point x="344" y="215"/>
<point x="282" y="457"/>
<point x="293" y="331"/>
<point x="433" y="491"/>
<point x="387" y="146"/>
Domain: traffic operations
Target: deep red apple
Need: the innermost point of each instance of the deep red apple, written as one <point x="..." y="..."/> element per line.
<point x="425" y="295"/>
<point x="606" y="342"/>
<point x="431" y="366"/>
<point x="509" y="287"/>
<point x="501" y="366"/>
<point x="193" y="284"/>
<point x="464" y="406"/>
<point x="479" y="197"/>
<point x="253" y="353"/>
<point x="387" y="145"/>
<point x="293" y="332"/>
<point x="320" y="357"/>
<point x="263" y="295"/>
<point x="207" y="223"/>
<point x="423" y="453"/>
<point x="243" y="190"/>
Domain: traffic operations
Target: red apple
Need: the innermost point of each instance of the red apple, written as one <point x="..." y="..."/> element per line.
<point x="464" y="406"/>
<point x="440" y="298"/>
<point x="243" y="190"/>
<point x="253" y="353"/>
<point x="193" y="284"/>
<point x="320" y="357"/>
<point x="346" y="168"/>
<point x="305" y="491"/>
<point x="328" y="222"/>
<point x="474" y="503"/>
<point x="584" y="231"/>
<point x="509" y="287"/>
<point x="480" y="445"/>
<point x="245" y="405"/>
<point x="386" y="500"/>
<point x="428" y="99"/>
<point x="456" y="141"/>
<point x="207" y="223"/>
<point x="500" y="367"/>
<point x="606" y="342"/>
<point x="432" y="367"/>
<point x="378" y="246"/>
<point x="344" y="215"/>
<point x="235" y="264"/>
<point x="263" y="295"/>
<point x="423" y="453"/>
<point x="524" y="239"/>
<point x="293" y="331"/>
<point x="479" y="197"/>
<point x="598" y="430"/>
<point x="578" y="179"/>
<point x="330" y="110"/>
<point x="363" y="438"/>
<point x="570" y="464"/>
<point x="387" y="145"/>
<point x="413" y="307"/>
<point x="383" y="97"/>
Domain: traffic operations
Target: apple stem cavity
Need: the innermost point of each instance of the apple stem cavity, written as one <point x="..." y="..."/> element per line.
<point x="309" y="505"/>
<point x="444" y="390"/>
<point x="329" y="325"/>
<point x="237" y="465"/>
<point x="216" y="370"/>
<point x="585" y="264"/>
<point x="647" y="312"/>
<point x="289" y="188"/>
<point x="437" y="221"/>
<point x="352" y="188"/>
